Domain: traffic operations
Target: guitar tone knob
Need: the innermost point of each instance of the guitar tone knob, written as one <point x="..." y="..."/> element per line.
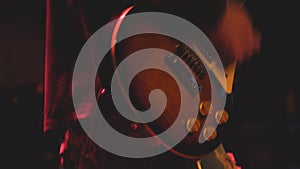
<point x="204" y="108"/>
<point x="209" y="133"/>
<point x="193" y="125"/>
<point x="221" y="116"/>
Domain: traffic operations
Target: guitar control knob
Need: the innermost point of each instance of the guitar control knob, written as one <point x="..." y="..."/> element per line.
<point x="221" y="116"/>
<point x="204" y="108"/>
<point x="193" y="125"/>
<point x="209" y="133"/>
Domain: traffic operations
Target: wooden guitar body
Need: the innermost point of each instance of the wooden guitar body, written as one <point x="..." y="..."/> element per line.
<point x="148" y="80"/>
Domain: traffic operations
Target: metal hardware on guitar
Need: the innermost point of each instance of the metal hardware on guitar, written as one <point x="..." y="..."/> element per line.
<point x="193" y="125"/>
<point x="209" y="133"/>
<point x="204" y="108"/>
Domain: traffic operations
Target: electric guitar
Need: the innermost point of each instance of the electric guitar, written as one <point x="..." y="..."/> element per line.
<point x="150" y="79"/>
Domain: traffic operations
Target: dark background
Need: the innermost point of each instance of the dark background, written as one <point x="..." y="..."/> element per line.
<point x="265" y="129"/>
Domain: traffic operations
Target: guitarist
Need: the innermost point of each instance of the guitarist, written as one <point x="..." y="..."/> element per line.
<point x="230" y="29"/>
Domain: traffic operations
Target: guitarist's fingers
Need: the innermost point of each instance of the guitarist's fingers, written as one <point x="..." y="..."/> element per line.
<point x="235" y="37"/>
<point x="249" y="46"/>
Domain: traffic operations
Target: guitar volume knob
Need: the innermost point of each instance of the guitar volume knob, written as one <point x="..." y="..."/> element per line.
<point x="209" y="133"/>
<point x="204" y="108"/>
<point x="221" y="116"/>
<point x="193" y="125"/>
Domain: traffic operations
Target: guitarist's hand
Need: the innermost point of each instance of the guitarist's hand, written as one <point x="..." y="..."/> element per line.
<point x="235" y="38"/>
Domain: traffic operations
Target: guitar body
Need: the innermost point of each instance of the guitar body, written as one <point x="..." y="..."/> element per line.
<point x="189" y="146"/>
<point x="148" y="80"/>
<point x="151" y="79"/>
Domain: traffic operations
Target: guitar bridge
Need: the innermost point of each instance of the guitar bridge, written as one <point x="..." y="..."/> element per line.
<point x="184" y="60"/>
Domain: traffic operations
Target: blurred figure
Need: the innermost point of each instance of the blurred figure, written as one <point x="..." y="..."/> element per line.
<point x="70" y="23"/>
<point x="234" y="37"/>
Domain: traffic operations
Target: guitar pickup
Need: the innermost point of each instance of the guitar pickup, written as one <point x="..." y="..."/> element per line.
<point x="183" y="73"/>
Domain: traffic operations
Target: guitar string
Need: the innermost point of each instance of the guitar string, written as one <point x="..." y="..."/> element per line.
<point x="192" y="60"/>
